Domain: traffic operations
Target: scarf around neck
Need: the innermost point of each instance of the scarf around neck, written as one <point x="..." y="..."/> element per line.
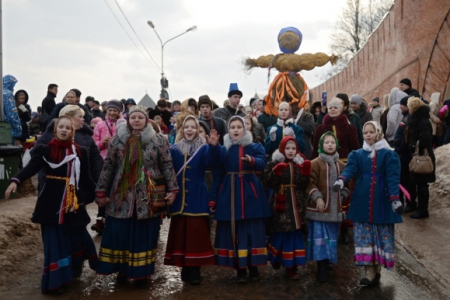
<point x="381" y="144"/>
<point x="189" y="147"/>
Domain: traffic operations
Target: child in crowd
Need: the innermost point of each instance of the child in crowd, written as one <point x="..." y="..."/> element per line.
<point x="33" y="126"/>
<point x="288" y="174"/>
<point x="189" y="244"/>
<point x="61" y="206"/>
<point x="240" y="203"/>
<point x="285" y="126"/>
<point x="375" y="202"/>
<point x="324" y="208"/>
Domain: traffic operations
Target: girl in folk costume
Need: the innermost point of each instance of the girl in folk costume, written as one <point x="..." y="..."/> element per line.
<point x="324" y="208"/>
<point x="375" y="202"/>
<point x="240" y="203"/>
<point x="285" y="126"/>
<point x="103" y="132"/>
<point x="61" y="206"/>
<point x="189" y="244"/>
<point x="288" y="174"/>
<point x="135" y="169"/>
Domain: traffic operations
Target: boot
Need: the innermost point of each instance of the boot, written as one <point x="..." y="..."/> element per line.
<point x="344" y="235"/>
<point x="419" y="214"/>
<point x="322" y="270"/>
<point x="241" y="276"/>
<point x="195" y="276"/>
<point x="121" y="279"/>
<point x="186" y="273"/>
<point x="141" y="283"/>
<point x="253" y="273"/>
<point x="99" y="225"/>
<point x="291" y="273"/>
<point x="410" y="207"/>
<point x="371" y="277"/>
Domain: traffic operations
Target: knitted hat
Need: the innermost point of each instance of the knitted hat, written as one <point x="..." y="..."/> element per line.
<point x="95" y="120"/>
<point x="137" y="109"/>
<point x="89" y="98"/>
<point x="234" y="90"/>
<point x="376" y="99"/>
<point x="406" y="81"/>
<point x="130" y="101"/>
<point x="114" y="104"/>
<point x="192" y="102"/>
<point x="34" y="114"/>
<point x="106" y="102"/>
<point x="404" y="101"/>
<point x="335" y="102"/>
<point x="330" y="133"/>
<point x="356" y="99"/>
<point x="343" y="97"/>
<point x="204" y="100"/>
<point x="77" y="92"/>
<point x="234" y="118"/>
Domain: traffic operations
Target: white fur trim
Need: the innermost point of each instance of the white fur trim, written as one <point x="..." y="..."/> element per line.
<point x="246" y="140"/>
<point x="298" y="159"/>
<point x="278" y="156"/>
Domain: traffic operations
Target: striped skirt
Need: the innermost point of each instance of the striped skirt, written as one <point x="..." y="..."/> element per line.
<point x="129" y="247"/>
<point x="65" y="248"/>
<point x="287" y="249"/>
<point x="189" y="242"/>
<point x="374" y="244"/>
<point x="322" y="241"/>
<point x="250" y="244"/>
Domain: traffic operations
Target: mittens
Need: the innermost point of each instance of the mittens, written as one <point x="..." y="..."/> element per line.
<point x="22" y="108"/>
<point x="273" y="133"/>
<point x="397" y="207"/>
<point x="338" y="185"/>
<point x="305" y="168"/>
<point x="279" y="168"/>
<point x="288" y="131"/>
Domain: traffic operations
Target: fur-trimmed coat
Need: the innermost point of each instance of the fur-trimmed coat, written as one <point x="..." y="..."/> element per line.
<point x="103" y="129"/>
<point x="419" y="129"/>
<point x="323" y="175"/>
<point x="249" y="199"/>
<point x="293" y="216"/>
<point x="157" y="162"/>
<point x="271" y="146"/>
<point x="344" y="131"/>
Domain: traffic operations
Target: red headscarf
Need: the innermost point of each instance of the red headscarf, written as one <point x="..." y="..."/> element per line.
<point x="282" y="147"/>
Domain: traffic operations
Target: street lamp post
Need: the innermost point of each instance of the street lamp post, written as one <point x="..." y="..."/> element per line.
<point x="164" y="81"/>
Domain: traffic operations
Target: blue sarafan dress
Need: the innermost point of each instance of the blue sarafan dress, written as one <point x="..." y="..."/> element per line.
<point x="376" y="186"/>
<point x="241" y="205"/>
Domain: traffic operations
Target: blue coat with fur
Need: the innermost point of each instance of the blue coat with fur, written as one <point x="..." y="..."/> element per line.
<point x="249" y="199"/>
<point x="271" y="146"/>
<point x="376" y="186"/>
<point x="193" y="198"/>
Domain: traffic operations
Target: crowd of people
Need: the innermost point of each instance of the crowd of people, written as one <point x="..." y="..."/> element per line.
<point x="281" y="189"/>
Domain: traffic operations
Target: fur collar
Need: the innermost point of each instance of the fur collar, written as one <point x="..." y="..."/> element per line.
<point x="381" y="144"/>
<point x="282" y="123"/>
<point x="123" y="133"/>
<point x="338" y="122"/>
<point x="244" y="141"/>
<point x="279" y="157"/>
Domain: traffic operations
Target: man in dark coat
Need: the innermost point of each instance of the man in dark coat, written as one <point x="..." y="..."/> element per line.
<point x="406" y="86"/>
<point x="161" y="110"/>
<point x="234" y="97"/>
<point x="205" y="106"/>
<point x="48" y="104"/>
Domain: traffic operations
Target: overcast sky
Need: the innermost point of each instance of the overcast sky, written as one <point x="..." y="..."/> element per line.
<point x="79" y="44"/>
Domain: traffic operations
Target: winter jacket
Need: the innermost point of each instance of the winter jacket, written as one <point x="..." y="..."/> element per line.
<point x="165" y="115"/>
<point x="193" y="197"/>
<point x="50" y="201"/>
<point x="434" y="111"/>
<point x="376" y="185"/>
<point x="225" y="113"/>
<point x="11" y="115"/>
<point x="323" y="175"/>
<point x="280" y="126"/>
<point x="306" y="122"/>
<point x="249" y="199"/>
<point x="394" y="115"/>
<point x="157" y="162"/>
<point x="363" y="114"/>
<point x="419" y="129"/>
<point x="25" y="116"/>
<point x="102" y="130"/>
<point x="344" y="131"/>
<point x="48" y="103"/>
<point x="353" y="118"/>
<point x="376" y="113"/>
<point x="291" y="185"/>
<point x="267" y="120"/>
<point x="83" y="137"/>
<point x="218" y="124"/>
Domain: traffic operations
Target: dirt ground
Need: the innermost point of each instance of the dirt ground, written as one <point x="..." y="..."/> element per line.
<point x="426" y="240"/>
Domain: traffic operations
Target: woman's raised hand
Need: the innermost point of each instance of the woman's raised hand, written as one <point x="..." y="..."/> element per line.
<point x="213" y="138"/>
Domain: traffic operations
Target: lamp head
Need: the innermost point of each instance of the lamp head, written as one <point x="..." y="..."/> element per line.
<point x="150" y="23"/>
<point x="192" y="28"/>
